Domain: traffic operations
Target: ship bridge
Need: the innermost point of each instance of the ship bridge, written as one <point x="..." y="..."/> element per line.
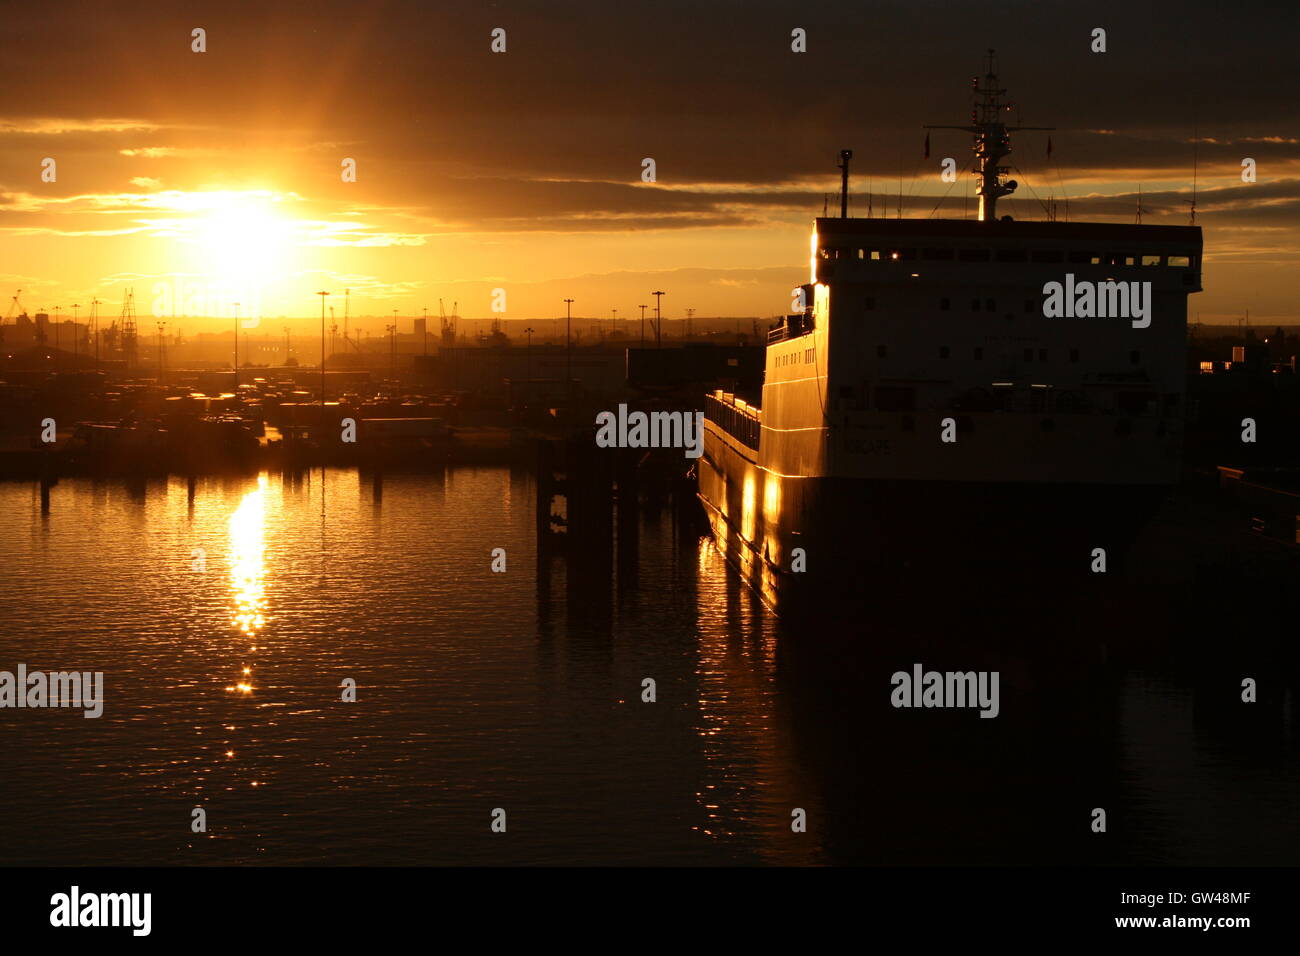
<point x="900" y="251"/>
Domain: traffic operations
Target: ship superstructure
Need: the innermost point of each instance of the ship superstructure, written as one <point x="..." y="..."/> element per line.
<point x="932" y="400"/>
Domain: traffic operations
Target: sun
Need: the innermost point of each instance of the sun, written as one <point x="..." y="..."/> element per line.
<point x="244" y="240"/>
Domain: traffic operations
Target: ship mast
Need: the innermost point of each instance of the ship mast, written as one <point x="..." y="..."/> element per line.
<point x="992" y="140"/>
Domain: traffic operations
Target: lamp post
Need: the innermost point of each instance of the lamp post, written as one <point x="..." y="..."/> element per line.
<point x="392" y="347"/>
<point x="161" y="326"/>
<point x="94" y="319"/>
<point x="568" y="345"/>
<point x="528" y="360"/>
<point x="392" y="338"/>
<point x="643" y="308"/>
<point x="322" y="356"/>
<point x="659" y="320"/>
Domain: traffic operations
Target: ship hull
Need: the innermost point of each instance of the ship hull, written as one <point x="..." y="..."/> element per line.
<point x="836" y="542"/>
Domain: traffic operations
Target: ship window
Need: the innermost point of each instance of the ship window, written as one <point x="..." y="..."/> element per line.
<point x="940" y="254"/>
<point x="1182" y="262"/>
<point x="974" y="305"/>
<point x="1042" y="355"/>
<point x="823" y="253"/>
<point x="1151" y="260"/>
<point x="875" y="253"/>
<point x="991" y="305"/>
<point x="973" y="255"/>
<point x="862" y="253"/>
<point x="945" y="304"/>
<point x="871" y="302"/>
<point x="905" y="255"/>
<point x="1012" y="255"/>
<point x="1048" y="255"/>
<point x="895" y="398"/>
<point x="1029" y="355"/>
<point x="881" y="351"/>
<point x="1135" y="357"/>
<point x="979" y="354"/>
<point x="943" y="351"/>
<point x="1074" y="355"/>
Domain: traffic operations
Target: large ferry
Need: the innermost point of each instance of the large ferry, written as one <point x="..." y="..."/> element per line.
<point x="932" y="405"/>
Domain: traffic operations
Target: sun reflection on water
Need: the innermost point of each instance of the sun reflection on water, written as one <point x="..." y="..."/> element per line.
<point x="248" y="570"/>
<point x="247" y="560"/>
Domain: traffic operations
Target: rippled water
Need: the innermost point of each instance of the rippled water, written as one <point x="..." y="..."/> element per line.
<point x="226" y="620"/>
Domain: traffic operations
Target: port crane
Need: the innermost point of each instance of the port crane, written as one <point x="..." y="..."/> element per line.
<point x="347" y="300"/>
<point x="14" y="306"/>
<point x="448" y="324"/>
<point x="129" y="331"/>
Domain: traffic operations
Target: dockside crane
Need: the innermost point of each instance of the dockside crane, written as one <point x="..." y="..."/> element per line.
<point x="13" y="308"/>
<point x="448" y="324"/>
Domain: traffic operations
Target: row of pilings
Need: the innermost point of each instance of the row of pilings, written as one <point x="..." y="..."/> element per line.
<point x="589" y="509"/>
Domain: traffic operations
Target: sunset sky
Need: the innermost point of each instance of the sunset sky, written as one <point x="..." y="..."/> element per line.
<point x="521" y="170"/>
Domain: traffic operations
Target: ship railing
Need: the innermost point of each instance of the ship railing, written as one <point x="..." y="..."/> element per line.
<point x="738" y="419"/>
<point x="791" y="327"/>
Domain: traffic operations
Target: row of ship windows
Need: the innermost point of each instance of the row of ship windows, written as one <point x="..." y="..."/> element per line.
<point x="794" y="358"/>
<point x="895" y="398"/>
<point x="945" y="304"/>
<point x="1044" y="256"/>
<point x="1134" y="357"/>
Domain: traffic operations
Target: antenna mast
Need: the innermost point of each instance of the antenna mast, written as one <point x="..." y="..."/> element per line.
<point x="1196" y="142"/>
<point x="992" y="142"/>
<point x="845" y="156"/>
